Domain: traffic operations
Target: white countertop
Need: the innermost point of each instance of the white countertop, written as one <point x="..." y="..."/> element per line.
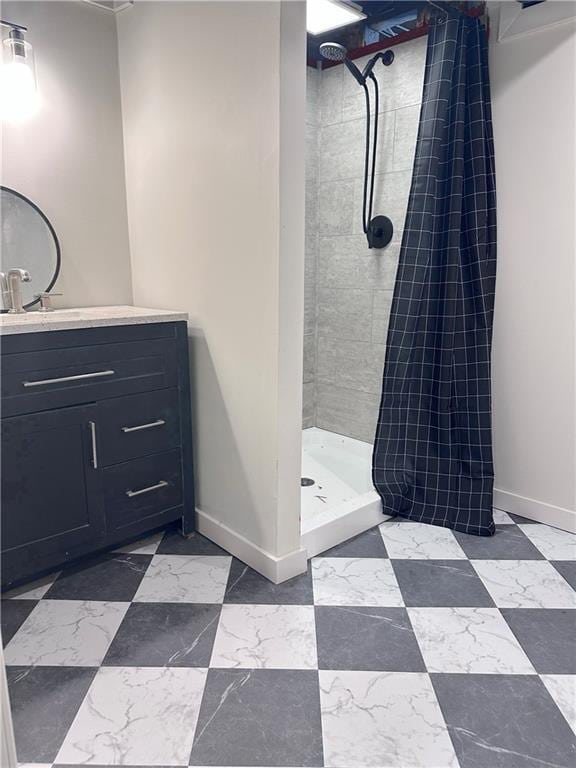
<point x="85" y="317"/>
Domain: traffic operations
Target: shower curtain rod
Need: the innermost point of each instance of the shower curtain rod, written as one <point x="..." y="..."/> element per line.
<point x="448" y="9"/>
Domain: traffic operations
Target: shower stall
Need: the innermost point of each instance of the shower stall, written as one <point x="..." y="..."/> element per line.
<point x="348" y="285"/>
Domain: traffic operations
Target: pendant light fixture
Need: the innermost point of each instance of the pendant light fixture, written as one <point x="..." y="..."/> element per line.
<point x="18" y="92"/>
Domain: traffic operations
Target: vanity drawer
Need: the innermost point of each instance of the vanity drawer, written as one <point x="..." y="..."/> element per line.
<point x="137" y="425"/>
<point x="138" y="491"/>
<point x="54" y="378"/>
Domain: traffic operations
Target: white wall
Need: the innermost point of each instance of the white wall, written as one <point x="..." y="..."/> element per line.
<point x="68" y="158"/>
<point x="533" y="91"/>
<point x="214" y="227"/>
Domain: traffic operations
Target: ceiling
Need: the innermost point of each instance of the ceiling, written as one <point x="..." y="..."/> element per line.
<point x="380" y="14"/>
<point x="385" y="19"/>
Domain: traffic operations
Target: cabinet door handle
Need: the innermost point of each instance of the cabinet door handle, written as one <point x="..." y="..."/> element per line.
<point x="77" y="377"/>
<point x="94" y="447"/>
<point x="161" y="484"/>
<point x="157" y="423"/>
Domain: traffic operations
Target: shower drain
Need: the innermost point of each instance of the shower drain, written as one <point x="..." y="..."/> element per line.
<point x="306" y="481"/>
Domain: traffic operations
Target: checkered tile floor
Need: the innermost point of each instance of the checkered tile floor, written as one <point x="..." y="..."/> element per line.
<point x="407" y="646"/>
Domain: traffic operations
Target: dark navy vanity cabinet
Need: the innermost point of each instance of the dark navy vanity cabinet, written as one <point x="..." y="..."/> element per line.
<point x="96" y="441"/>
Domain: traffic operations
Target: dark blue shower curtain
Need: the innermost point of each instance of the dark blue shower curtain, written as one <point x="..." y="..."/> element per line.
<point x="432" y="459"/>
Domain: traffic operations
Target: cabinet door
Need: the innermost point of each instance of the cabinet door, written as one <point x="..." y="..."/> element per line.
<point x="51" y="499"/>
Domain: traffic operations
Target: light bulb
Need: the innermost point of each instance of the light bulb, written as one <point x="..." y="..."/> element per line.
<point x="18" y="94"/>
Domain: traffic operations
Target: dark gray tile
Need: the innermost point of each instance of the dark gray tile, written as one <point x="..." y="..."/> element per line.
<point x="165" y="634"/>
<point x="265" y="717"/>
<point x="547" y="636"/>
<point x="566" y="568"/>
<point x="378" y="639"/>
<point x="367" y="544"/>
<point x="44" y="701"/>
<point x="13" y="613"/>
<point x="113" y="577"/>
<point x="440" y="583"/>
<point x="174" y="543"/>
<point x="247" y="586"/>
<point x="504" y="721"/>
<point x="520" y="519"/>
<point x="508" y="543"/>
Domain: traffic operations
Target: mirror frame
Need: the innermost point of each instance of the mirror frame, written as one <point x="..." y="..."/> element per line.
<point x="52" y="232"/>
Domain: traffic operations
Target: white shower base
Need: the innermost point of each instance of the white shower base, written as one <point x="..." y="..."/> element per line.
<point x="342" y="502"/>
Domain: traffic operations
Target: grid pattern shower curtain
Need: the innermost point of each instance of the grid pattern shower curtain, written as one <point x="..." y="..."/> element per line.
<point x="432" y="458"/>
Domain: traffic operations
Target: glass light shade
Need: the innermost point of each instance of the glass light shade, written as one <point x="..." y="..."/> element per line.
<point x="18" y="92"/>
<point x="324" y="15"/>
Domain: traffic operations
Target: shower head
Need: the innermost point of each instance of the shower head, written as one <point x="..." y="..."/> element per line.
<point x="333" y="51"/>
<point x="338" y="53"/>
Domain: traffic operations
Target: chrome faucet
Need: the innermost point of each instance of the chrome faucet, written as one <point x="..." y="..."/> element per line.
<point x="15" y="279"/>
<point x="4" y="292"/>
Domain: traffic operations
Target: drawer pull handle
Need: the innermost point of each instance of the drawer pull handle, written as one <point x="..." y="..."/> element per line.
<point x="77" y="377"/>
<point x="161" y="484"/>
<point x="157" y="423"/>
<point x="94" y="447"/>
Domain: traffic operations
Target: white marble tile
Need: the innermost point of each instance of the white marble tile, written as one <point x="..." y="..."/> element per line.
<point x="420" y="541"/>
<point x="145" y="546"/>
<point x="468" y="640"/>
<point x="70" y="633"/>
<point x="501" y="517"/>
<point x="382" y="719"/>
<point x="355" y="581"/>
<point x="525" y="584"/>
<point x="552" y="542"/>
<point x="266" y="637"/>
<point x="184" y="579"/>
<point x="562" y="688"/>
<point x="34" y="590"/>
<point x="136" y="716"/>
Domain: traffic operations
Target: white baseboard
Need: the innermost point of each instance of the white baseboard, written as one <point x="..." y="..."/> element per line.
<point x="277" y="569"/>
<point x="7" y="742"/>
<point x="559" y="517"/>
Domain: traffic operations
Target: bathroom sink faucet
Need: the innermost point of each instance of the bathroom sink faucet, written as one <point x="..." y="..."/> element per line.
<point x="4" y="292"/>
<point x="15" y="279"/>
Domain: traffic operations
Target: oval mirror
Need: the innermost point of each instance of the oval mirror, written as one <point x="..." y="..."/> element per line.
<point x="28" y="242"/>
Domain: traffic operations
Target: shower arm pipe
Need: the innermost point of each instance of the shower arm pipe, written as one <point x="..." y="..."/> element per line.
<point x="367" y="71"/>
<point x="362" y="77"/>
<point x="370" y="154"/>
<point x="374" y="144"/>
<point x="365" y="220"/>
<point x="355" y="72"/>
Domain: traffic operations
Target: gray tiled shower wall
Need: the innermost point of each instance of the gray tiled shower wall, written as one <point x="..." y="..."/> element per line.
<point x="348" y="288"/>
